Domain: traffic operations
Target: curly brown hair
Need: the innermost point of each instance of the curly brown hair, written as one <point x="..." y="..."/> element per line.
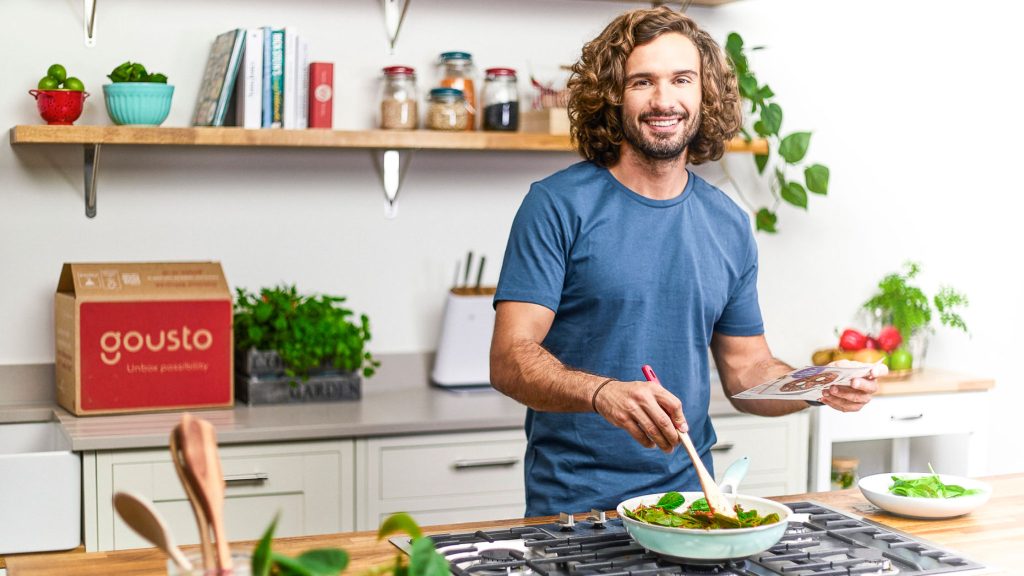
<point x="598" y="79"/>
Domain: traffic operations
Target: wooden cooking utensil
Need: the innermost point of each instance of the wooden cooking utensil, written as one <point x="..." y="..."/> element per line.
<point x="209" y="558"/>
<point x="199" y="446"/>
<point x="716" y="501"/>
<point x="138" y="512"/>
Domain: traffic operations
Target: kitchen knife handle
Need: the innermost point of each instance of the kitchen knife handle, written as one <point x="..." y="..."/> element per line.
<point x="486" y="463"/>
<point x="252" y="478"/>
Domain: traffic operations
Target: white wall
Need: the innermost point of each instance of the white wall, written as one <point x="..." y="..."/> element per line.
<point x="912" y="105"/>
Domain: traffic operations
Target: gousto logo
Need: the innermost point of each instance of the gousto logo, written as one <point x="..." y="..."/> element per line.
<point x="112" y="342"/>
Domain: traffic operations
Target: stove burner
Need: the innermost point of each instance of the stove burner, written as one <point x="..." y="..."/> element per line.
<point x="500" y="555"/>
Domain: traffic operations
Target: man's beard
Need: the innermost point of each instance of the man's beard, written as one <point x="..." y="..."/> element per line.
<point x="663" y="147"/>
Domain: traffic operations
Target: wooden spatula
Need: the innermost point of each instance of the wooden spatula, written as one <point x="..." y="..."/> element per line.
<point x="199" y="446"/>
<point x="716" y="501"/>
<point x="140" y="514"/>
<point x="209" y="557"/>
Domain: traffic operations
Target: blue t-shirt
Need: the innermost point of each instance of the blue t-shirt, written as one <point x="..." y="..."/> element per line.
<point x="632" y="281"/>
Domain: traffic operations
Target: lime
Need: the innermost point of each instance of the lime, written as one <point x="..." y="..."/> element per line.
<point x="48" y="83"/>
<point x="57" y="72"/>
<point x="74" y="84"/>
<point x="900" y="359"/>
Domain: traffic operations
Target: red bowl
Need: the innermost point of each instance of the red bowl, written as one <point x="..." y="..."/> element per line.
<point x="61" y="107"/>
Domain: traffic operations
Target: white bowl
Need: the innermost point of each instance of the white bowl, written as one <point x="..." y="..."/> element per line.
<point x="876" y="489"/>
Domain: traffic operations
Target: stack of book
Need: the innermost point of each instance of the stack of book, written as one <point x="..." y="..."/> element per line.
<point x="260" y="78"/>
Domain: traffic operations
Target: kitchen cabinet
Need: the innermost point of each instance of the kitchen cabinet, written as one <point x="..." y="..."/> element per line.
<point x="931" y="403"/>
<point x="777" y="448"/>
<point x="387" y="146"/>
<point x="440" y="478"/>
<point x="310" y="484"/>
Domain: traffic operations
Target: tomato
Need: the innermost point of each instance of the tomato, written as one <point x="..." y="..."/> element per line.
<point x="889" y="338"/>
<point x="872" y="344"/>
<point x="852" y="340"/>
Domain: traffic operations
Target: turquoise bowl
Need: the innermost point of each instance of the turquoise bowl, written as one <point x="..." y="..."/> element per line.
<point x="138" y="102"/>
<point x="707" y="545"/>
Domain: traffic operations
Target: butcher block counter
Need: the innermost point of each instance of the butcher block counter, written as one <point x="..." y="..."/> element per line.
<point x="992" y="535"/>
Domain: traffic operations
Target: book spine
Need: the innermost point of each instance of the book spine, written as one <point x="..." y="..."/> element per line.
<point x="290" y="115"/>
<point x="302" y="100"/>
<point x="250" y="83"/>
<point x="230" y="77"/>
<point x="276" y="78"/>
<point x="321" y="95"/>
<point x="267" y="102"/>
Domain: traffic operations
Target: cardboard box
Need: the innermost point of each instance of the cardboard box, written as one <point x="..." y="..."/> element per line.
<point x="141" y="337"/>
<point x="548" y="121"/>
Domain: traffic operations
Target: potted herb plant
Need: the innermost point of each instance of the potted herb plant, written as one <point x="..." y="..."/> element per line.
<point x="294" y="347"/>
<point x="136" y="96"/>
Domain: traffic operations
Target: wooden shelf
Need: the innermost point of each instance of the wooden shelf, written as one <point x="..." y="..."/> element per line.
<point x="358" y="140"/>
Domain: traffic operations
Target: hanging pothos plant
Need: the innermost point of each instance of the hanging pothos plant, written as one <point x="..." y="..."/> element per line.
<point x="785" y="153"/>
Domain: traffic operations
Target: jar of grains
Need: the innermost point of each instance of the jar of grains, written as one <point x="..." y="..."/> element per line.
<point x="398" y="99"/>
<point x="447" y="110"/>
<point x="501" y="100"/>
<point x="456" y="70"/>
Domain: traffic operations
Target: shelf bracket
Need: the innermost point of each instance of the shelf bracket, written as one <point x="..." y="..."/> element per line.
<point x="92" y="171"/>
<point x="89" y="21"/>
<point x="391" y="167"/>
<point x="394" y="15"/>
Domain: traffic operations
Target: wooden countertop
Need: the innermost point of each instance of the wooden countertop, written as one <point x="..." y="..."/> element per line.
<point x="992" y="535"/>
<point x="933" y="381"/>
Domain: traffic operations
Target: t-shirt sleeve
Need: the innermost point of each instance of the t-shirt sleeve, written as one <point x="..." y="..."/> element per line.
<point x="535" y="258"/>
<point x="742" y="314"/>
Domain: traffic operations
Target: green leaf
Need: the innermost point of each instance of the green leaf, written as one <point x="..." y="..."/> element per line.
<point x="765" y="92"/>
<point x="795" y="194"/>
<point x="771" y="116"/>
<point x="748" y="86"/>
<point x="326" y="561"/>
<point x="671" y="500"/>
<point x="425" y="560"/>
<point x="158" y="78"/>
<point x="794" y="147"/>
<point x="816" y="176"/>
<point x="700" y="505"/>
<point x="288" y="566"/>
<point x="766" y="220"/>
<point x="761" y="129"/>
<point x="761" y="161"/>
<point x="399" y="522"/>
<point x="261" y="554"/>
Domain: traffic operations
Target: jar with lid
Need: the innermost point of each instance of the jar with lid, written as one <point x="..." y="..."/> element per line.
<point x="844" y="473"/>
<point x="398" y="109"/>
<point x="447" y="110"/>
<point x="456" y="70"/>
<point x="501" y="100"/>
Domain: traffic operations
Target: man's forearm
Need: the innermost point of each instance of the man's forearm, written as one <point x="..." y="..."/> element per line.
<point x="759" y="373"/>
<point x="525" y="371"/>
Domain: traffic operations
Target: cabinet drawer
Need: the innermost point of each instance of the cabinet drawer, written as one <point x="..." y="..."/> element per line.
<point x="764" y="440"/>
<point x="906" y="416"/>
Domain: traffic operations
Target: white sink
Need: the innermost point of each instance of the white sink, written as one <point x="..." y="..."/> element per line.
<point x="40" y="489"/>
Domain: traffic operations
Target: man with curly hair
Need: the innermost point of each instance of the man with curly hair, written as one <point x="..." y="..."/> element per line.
<point x="627" y="258"/>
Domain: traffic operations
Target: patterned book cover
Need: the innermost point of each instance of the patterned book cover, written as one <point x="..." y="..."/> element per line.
<point x="216" y="74"/>
<point x="277" y="65"/>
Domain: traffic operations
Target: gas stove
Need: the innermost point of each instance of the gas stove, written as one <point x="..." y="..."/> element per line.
<point x="821" y="541"/>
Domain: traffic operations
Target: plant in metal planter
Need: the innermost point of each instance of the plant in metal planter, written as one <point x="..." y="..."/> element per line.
<point x="308" y="333"/>
<point x="784" y="152"/>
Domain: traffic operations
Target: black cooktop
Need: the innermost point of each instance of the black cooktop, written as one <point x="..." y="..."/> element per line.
<point x="825" y="543"/>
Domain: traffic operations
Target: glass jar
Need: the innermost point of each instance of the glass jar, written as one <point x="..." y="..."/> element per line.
<point x="455" y="70"/>
<point x="844" y="473"/>
<point x="447" y="110"/>
<point x="398" y="110"/>
<point x="501" y="100"/>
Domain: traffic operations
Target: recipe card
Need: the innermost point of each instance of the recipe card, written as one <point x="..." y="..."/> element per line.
<point x="805" y="383"/>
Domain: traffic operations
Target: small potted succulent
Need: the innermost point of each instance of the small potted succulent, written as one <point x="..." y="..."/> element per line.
<point x="136" y="96"/>
<point x="297" y="348"/>
<point x="59" y="97"/>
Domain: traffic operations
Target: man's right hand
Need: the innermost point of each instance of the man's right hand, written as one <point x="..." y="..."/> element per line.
<point x="652" y="415"/>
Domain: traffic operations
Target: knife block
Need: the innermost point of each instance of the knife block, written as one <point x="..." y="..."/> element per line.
<point x="464" y="348"/>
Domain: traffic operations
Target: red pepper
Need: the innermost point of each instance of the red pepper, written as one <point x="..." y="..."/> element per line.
<point x="889" y="338"/>
<point x="852" y="340"/>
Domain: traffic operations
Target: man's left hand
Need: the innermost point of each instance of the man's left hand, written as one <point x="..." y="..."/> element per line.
<point x="853" y="396"/>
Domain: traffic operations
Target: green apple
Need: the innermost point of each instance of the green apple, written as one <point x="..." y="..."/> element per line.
<point x="900" y="359"/>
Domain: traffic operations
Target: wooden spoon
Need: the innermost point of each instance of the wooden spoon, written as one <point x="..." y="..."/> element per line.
<point x="209" y="559"/>
<point x="138" y="512"/>
<point x="716" y="501"/>
<point x="199" y="446"/>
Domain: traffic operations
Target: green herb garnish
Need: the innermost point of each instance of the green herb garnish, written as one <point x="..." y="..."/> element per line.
<point x="928" y="487"/>
<point x="697" y="516"/>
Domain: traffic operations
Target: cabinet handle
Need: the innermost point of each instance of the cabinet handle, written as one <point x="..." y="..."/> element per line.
<point x="251" y="478"/>
<point x="904" y="418"/>
<point x="723" y="446"/>
<point x="486" y="463"/>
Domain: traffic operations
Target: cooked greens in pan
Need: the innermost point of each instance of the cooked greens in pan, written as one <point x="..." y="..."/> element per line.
<point x="666" y="513"/>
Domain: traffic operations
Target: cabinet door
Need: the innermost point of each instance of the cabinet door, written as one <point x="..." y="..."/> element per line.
<point x="308" y="484"/>
<point x="441" y="478"/>
<point x="777" y="447"/>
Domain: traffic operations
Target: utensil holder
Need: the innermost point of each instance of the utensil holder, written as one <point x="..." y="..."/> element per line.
<point x="463" y="351"/>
